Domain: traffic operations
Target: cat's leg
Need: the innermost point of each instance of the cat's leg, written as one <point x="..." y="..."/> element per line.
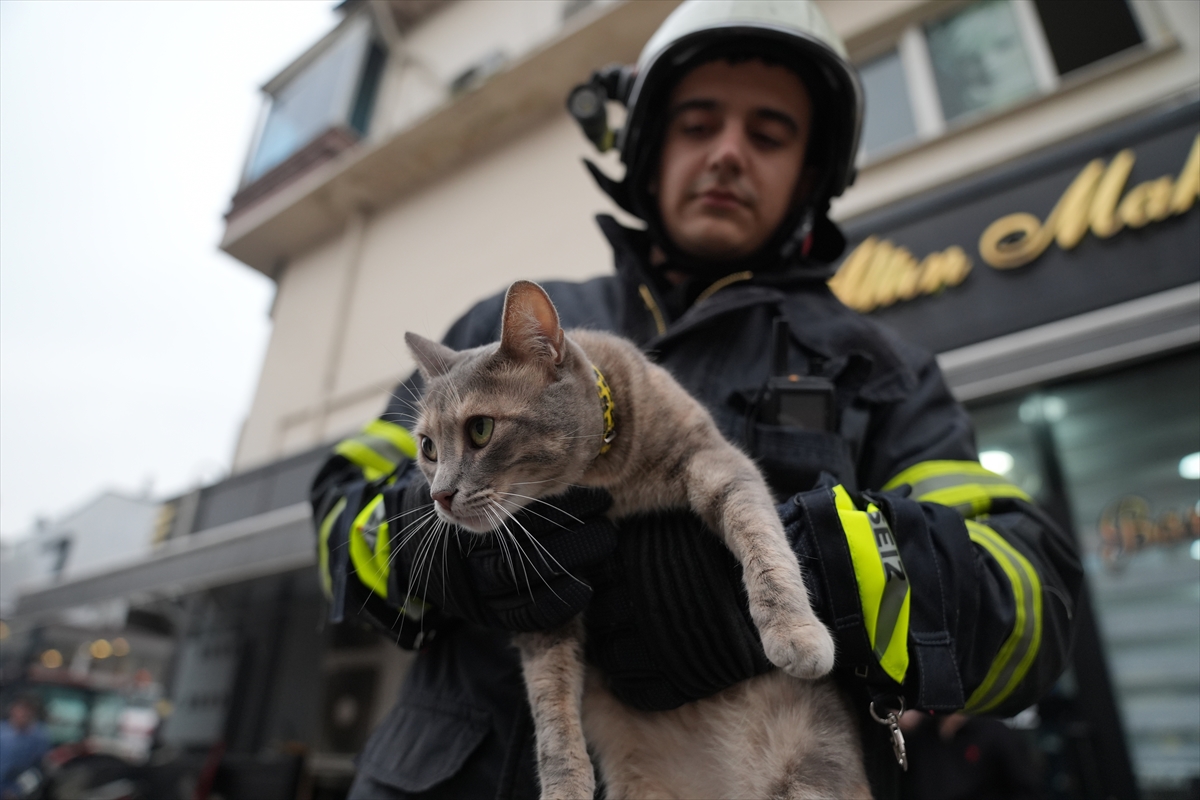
<point x="848" y="784"/>
<point x="553" y="665"/>
<point x="636" y="751"/>
<point x="729" y="494"/>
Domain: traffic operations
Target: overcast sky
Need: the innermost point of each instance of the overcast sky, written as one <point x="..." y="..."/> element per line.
<point x="129" y="345"/>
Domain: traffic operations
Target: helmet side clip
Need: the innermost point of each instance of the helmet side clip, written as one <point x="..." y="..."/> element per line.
<point x="587" y="103"/>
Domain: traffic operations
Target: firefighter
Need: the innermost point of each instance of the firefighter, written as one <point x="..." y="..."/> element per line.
<point x="945" y="587"/>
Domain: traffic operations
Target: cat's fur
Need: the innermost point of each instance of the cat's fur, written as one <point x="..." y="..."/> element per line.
<point x="772" y="736"/>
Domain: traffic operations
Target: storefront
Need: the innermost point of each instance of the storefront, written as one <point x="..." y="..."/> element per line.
<point x="1062" y="295"/>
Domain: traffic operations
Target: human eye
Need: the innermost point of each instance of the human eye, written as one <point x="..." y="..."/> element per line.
<point x="770" y="133"/>
<point x="695" y="122"/>
<point x="766" y="140"/>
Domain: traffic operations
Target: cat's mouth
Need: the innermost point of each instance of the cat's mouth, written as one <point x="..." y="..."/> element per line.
<point x="476" y="522"/>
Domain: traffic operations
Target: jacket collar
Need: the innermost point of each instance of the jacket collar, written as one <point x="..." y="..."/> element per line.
<point x="818" y="320"/>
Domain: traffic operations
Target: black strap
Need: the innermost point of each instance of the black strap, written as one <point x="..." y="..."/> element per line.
<point x="841" y="587"/>
<point x="931" y="651"/>
<point x="338" y="550"/>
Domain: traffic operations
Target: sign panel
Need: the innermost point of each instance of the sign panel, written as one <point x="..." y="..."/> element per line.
<point x="1099" y="221"/>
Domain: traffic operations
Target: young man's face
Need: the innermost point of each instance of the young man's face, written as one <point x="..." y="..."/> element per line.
<point x="731" y="156"/>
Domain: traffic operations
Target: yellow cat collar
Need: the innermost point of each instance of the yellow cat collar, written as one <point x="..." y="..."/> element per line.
<point x="607" y="407"/>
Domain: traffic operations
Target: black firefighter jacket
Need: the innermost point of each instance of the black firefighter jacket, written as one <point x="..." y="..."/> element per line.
<point x="993" y="581"/>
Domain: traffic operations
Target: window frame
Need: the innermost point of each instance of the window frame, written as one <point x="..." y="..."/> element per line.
<point x="912" y="47"/>
<point x="374" y="38"/>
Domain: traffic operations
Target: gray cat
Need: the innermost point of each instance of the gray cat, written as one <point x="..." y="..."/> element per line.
<point x="505" y="424"/>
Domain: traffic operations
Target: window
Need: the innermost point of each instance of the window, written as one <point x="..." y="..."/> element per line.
<point x="572" y="7"/>
<point x="336" y="88"/>
<point x="1120" y="453"/>
<point x="1081" y="32"/>
<point x="889" y="119"/>
<point x="981" y="59"/>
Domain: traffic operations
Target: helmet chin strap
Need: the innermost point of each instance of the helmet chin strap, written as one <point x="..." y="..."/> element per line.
<point x="800" y="242"/>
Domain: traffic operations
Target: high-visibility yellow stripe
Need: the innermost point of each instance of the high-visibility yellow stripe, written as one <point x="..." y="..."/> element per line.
<point x="374" y="466"/>
<point x="323" y="546"/>
<point x="1017" y="653"/>
<point x="379" y="448"/>
<point x="882" y="582"/>
<point x="396" y="434"/>
<point x="964" y="485"/>
<point x="370" y="547"/>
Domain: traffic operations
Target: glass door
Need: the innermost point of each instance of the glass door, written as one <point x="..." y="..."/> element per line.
<point x="1116" y="457"/>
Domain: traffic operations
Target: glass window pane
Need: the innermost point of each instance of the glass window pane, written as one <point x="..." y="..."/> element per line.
<point x="1121" y="443"/>
<point x="1081" y="32"/>
<point x="65" y="714"/>
<point x="1127" y="443"/>
<point x="889" y="118"/>
<point x="979" y="59"/>
<point x="106" y="716"/>
<point x="312" y="102"/>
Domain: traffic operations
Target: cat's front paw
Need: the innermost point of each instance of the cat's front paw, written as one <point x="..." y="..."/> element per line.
<point x="802" y="648"/>
<point x="578" y="787"/>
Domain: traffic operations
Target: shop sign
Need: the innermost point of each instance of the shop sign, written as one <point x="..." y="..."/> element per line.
<point x="878" y="273"/>
<point x="1127" y="527"/>
<point x="1091" y="201"/>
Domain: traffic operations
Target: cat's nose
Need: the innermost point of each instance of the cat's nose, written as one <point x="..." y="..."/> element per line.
<point x="444" y="497"/>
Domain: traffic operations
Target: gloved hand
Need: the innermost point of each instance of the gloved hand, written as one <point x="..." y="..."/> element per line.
<point x="669" y="622"/>
<point x="530" y="577"/>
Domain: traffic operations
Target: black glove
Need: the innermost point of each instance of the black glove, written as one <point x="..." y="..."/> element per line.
<point x="506" y="579"/>
<point x="669" y="622"/>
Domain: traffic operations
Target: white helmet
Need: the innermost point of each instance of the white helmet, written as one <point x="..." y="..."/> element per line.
<point x="791" y="32"/>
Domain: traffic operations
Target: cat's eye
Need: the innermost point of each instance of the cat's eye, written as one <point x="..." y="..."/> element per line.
<point x="480" y="430"/>
<point x="428" y="448"/>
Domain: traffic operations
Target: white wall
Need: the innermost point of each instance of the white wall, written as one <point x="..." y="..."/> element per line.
<point x="524" y="209"/>
<point x="108" y="530"/>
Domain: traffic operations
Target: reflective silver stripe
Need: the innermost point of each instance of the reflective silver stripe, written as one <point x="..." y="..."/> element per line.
<point x="1027" y="614"/>
<point x="381" y="446"/>
<point x="895" y="588"/>
<point x="932" y="484"/>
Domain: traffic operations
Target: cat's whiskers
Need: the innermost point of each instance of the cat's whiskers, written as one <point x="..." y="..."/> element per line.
<point x="500" y="524"/>
<point x="542" y="549"/>
<point x="445" y="553"/>
<point x="423" y="556"/>
<point x="404" y="535"/>
<point x="407" y="532"/>
<point x="529" y="559"/>
<point x="395" y="548"/>
<point x="540" y="500"/>
<point x="428" y="509"/>
<point x="413" y="404"/>
<point x="507" y="556"/>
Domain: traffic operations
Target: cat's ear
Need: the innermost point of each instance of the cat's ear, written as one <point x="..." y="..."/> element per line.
<point x="433" y="359"/>
<point x="530" y="328"/>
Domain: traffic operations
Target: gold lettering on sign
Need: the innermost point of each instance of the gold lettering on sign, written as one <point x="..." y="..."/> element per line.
<point x="878" y="273"/>
<point x="1091" y="202"/>
<point x="1127" y="526"/>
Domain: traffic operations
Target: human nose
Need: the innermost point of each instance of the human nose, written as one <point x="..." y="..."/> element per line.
<point x="728" y="156"/>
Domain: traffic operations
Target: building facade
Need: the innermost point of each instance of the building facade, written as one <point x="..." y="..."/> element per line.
<point x="1025" y="207"/>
